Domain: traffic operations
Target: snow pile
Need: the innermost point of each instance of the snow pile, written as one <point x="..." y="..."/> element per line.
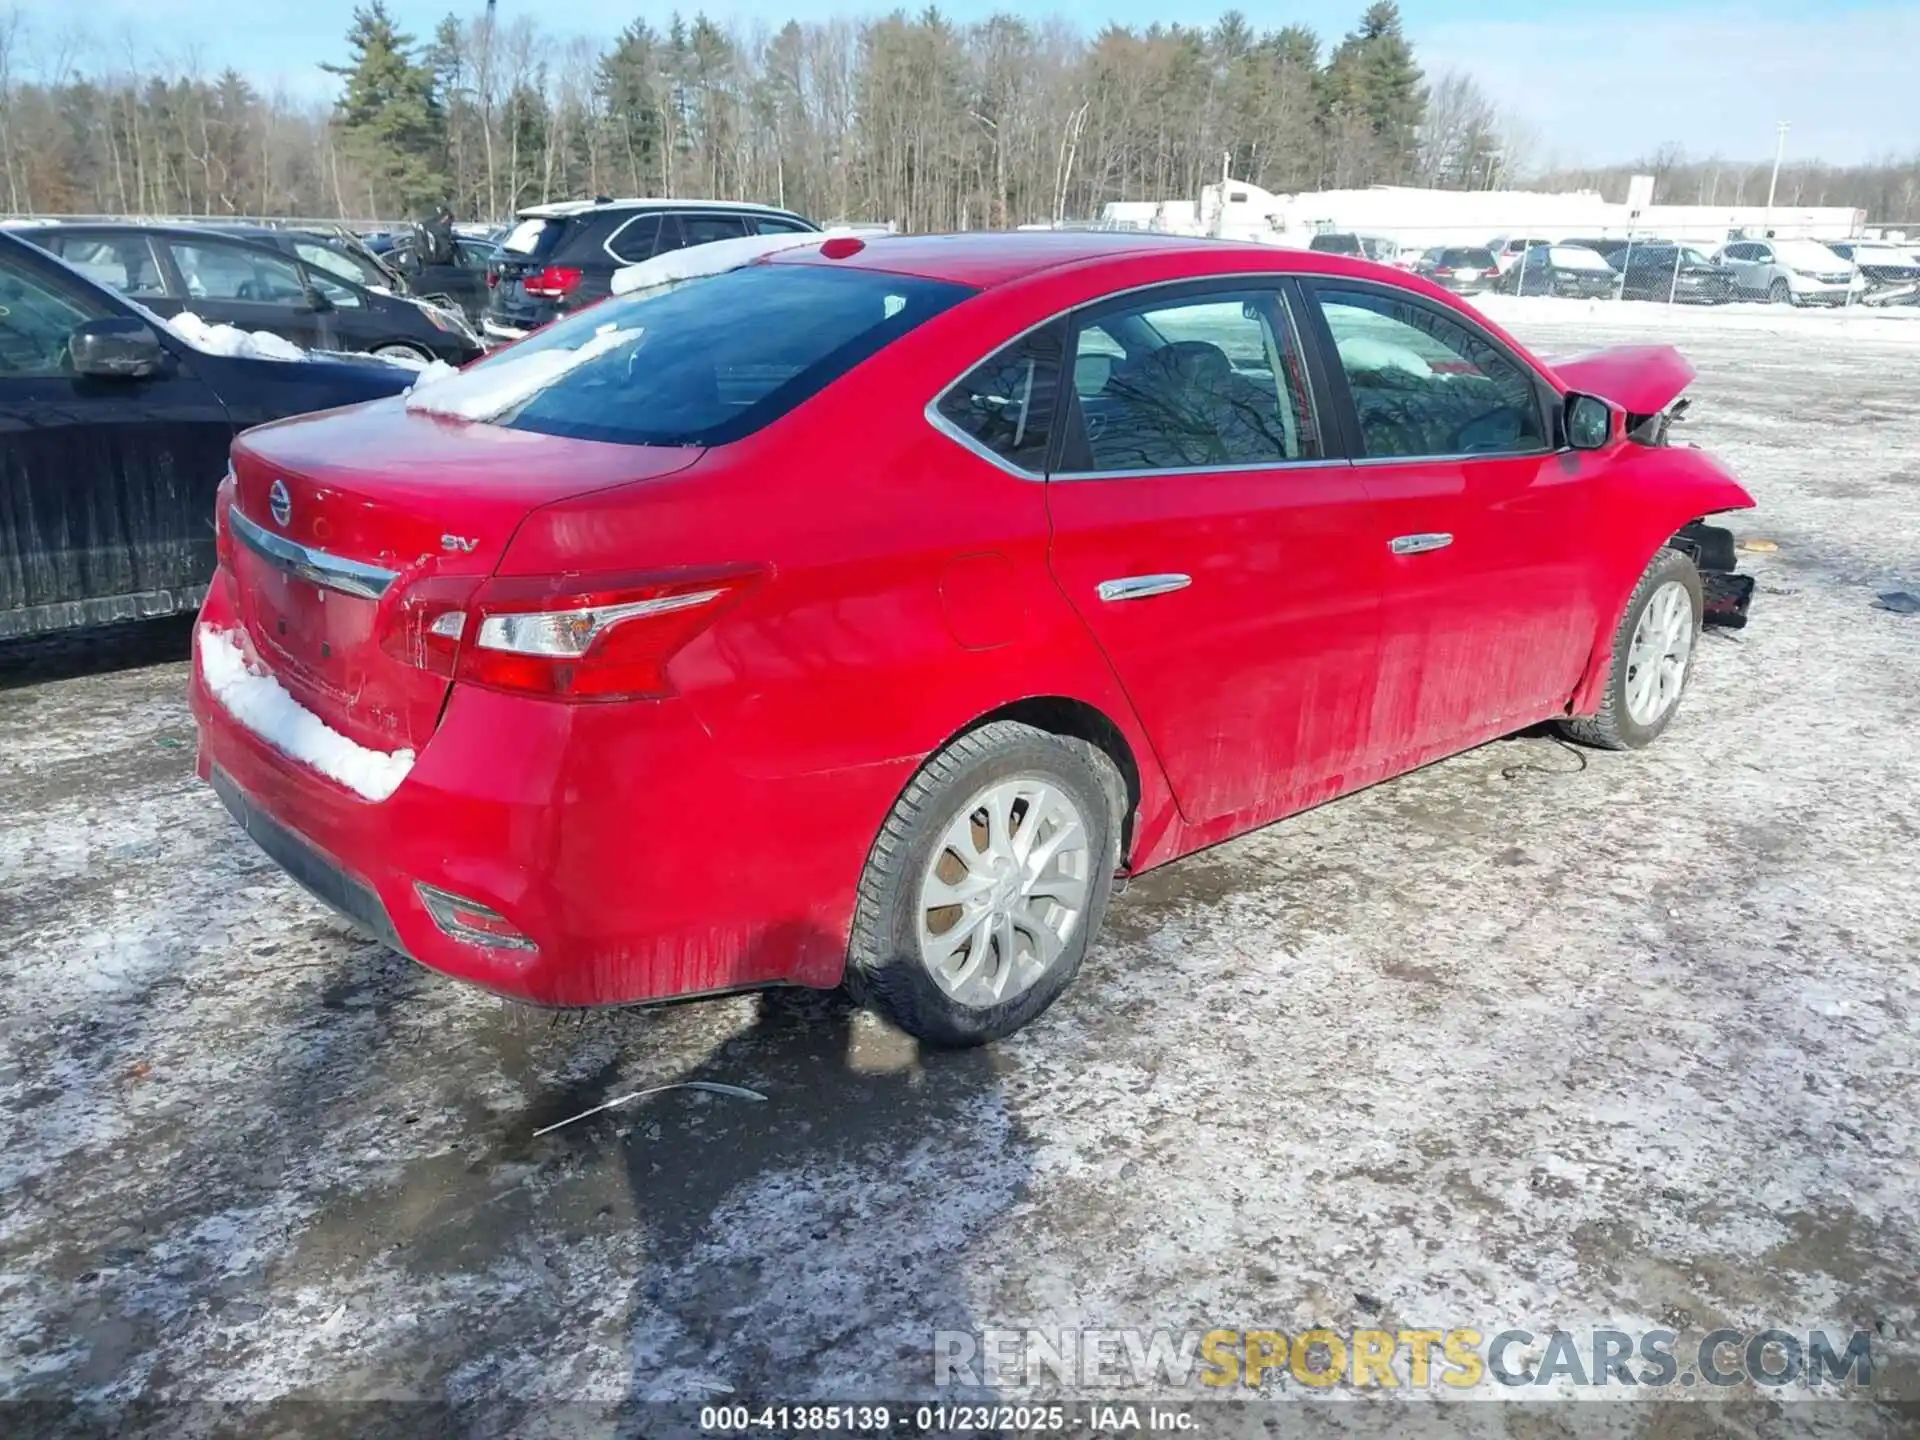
<point x="494" y="386"/>
<point x="430" y="371"/>
<point x="262" y="704"/>
<point x="719" y="256"/>
<point x="1899" y="324"/>
<point x="231" y="341"/>
<point x="714" y="258"/>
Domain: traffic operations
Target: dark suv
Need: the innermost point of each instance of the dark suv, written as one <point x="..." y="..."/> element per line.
<point x="558" y="258"/>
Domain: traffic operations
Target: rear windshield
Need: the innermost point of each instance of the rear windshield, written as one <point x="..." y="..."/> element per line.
<point x="1577" y="257"/>
<point x="702" y="364"/>
<point x="1468" y="258"/>
<point x="1334" y="244"/>
<point x="533" y="237"/>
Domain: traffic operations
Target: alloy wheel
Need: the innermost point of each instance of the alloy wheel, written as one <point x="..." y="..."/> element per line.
<point x="1007" y="884"/>
<point x="1657" y="656"/>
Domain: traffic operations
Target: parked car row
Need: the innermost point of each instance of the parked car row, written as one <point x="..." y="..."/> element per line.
<point x="1785" y="272"/>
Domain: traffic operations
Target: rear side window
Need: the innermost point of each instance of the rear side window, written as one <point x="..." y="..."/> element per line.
<point x="1007" y="404"/>
<point x="700" y="229"/>
<point x="678" y="367"/>
<point x="775" y="225"/>
<point x="635" y="240"/>
<point x="533" y="237"/>
<point x="1201" y="382"/>
<point x="120" y="262"/>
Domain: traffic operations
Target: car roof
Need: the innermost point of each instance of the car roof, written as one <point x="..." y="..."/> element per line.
<point x="985" y="258"/>
<point x="562" y="209"/>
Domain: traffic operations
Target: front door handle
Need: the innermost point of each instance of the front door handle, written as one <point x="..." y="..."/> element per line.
<point x="1419" y="544"/>
<point x="1138" y="587"/>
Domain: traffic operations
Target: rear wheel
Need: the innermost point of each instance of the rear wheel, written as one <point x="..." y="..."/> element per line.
<point x="1652" y="657"/>
<point x="987" y="884"/>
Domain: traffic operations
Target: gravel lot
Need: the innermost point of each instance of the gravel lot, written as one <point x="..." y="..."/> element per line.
<point x="1528" y="1038"/>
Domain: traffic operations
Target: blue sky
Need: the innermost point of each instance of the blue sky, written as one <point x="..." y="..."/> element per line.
<point x="1595" y="81"/>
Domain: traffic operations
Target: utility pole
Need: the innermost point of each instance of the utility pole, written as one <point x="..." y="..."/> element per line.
<point x="1779" y="149"/>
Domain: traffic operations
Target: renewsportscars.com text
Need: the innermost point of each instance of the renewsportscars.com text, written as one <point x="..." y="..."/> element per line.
<point x="1462" y="1358"/>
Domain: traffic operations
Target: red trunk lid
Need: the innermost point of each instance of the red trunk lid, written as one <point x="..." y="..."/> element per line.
<point x="344" y="513"/>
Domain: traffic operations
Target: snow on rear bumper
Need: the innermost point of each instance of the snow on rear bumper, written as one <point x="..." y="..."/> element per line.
<point x="610" y="836"/>
<point x="245" y="690"/>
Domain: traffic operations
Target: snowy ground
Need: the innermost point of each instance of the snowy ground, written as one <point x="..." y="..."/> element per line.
<point x="1524" y="1039"/>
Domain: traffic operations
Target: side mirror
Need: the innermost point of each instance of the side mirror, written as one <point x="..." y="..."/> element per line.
<point x="1589" y="422"/>
<point x="121" y="347"/>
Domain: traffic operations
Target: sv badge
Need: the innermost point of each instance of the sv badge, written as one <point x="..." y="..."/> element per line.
<point x="458" y="542"/>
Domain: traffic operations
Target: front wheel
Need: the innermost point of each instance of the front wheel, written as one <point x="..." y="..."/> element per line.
<point x="403" y="353"/>
<point x="987" y="884"/>
<point x="1780" y="293"/>
<point x="1652" y="657"/>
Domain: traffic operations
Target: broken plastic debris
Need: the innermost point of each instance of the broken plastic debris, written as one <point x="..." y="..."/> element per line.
<point x="739" y="1092"/>
<point x="1758" y="546"/>
<point x="1900" y="602"/>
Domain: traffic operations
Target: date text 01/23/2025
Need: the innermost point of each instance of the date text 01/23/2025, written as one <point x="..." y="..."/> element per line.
<point x="959" y="1419"/>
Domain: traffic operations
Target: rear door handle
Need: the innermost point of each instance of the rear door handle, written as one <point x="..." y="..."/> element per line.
<point x="1419" y="544"/>
<point x="1139" y="587"/>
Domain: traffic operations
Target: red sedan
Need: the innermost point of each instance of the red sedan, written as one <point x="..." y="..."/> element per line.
<point x="857" y="615"/>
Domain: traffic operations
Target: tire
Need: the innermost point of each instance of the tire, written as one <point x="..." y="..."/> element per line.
<point x="920" y="846"/>
<point x="399" y="350"/>
<point x="1621" y="723"/>
<point x="1780" y="293"/>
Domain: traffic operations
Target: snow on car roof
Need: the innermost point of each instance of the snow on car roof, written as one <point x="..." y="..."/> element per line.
<point x="560" y="209"/>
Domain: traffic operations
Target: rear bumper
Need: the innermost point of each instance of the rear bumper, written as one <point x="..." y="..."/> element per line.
<point x="616" y="838"/>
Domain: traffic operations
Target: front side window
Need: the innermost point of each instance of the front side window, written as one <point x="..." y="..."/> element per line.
<point x="1007" y="404"/>
<point x="342" y="297"/>
<point x="229" y="272"/>
<point x="35" y="322"/>
<point x="1425" y="383"/>
<point x="677" y="367"/>
<point x="333" y="262"/>
<point x="1212" y="380"/>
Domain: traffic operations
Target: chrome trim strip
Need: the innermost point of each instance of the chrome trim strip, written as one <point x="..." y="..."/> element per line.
<point x="960" y="437"/>
<point x="1139" y="587"/>
<point x="334" y="572"/>
<point x="1419" y="544"/>
<point x="1460" y="458"/>
<point x="1317" y="463"/>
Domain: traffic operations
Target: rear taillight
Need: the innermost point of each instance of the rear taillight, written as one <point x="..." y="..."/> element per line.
<point x="567" y="638"/>
<point x="554" y="282"/>
<point x="223" y="499"/>
<point x="493" y="278"/>
<point x="422" y="624"/>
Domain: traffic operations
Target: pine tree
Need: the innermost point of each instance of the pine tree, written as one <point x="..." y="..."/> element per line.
<point x="1375" y="95"/>
<point x="388" y="116"/>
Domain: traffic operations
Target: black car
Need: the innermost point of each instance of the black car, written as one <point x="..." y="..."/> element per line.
<point x="113" y="438"/>
<point x="1572" y="271"/>
<point x="461" y="282"/>
<point x="227" y="280"/>
<point x="558" y="258"/>
<point x="1463" y="269"/>
<point x="1665" y="271"/>
<point x="335" y="251"/>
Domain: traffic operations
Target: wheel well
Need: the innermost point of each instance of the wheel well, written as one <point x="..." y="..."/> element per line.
<point x="1060" y="715"/>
